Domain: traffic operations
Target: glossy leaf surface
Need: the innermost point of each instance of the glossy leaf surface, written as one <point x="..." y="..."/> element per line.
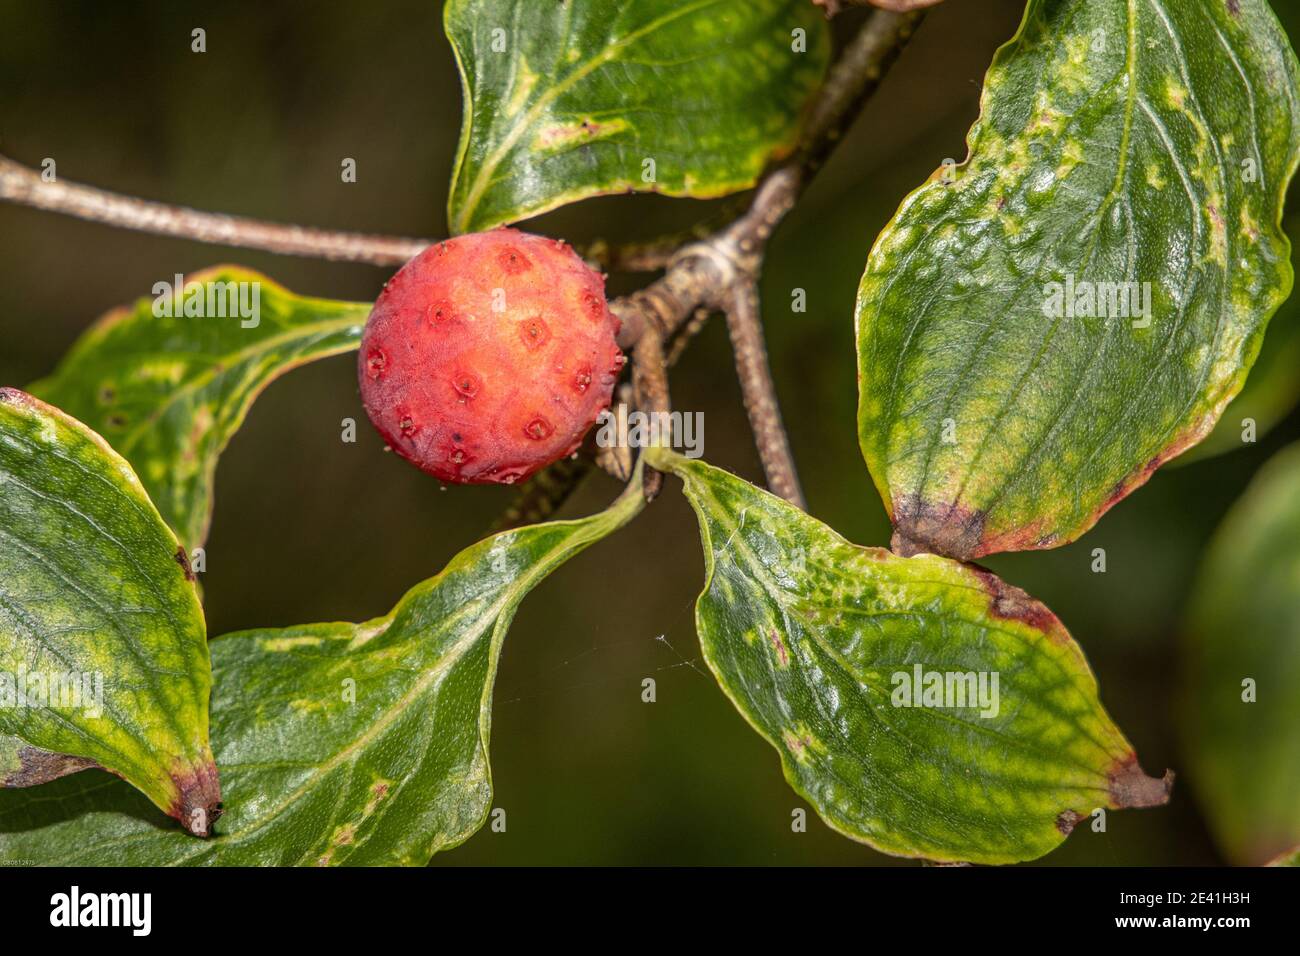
<point x="569" y="100"/>
<point x="103" y="649"/>
<point x="1273" y="388"/>
<point x="338" y="743"/>
<point x="1042" y="326"/>
<point x="920" y="705"/>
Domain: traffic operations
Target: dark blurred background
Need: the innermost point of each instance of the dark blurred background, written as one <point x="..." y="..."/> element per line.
<point x="310" y="529"/>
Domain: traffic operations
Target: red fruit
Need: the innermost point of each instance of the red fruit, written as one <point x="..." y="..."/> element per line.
<point x="489" y="356"/>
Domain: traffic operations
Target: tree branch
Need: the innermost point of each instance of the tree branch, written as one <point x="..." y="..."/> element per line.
<point x="722" y="270"/>
<point x="542" y="496"/>
<point x="648" y="256"/>
<point x="833" y="7"/>
<point x="26" y="187"/>
<point x="650" y="390"/>
<point x="22" y="185"/>
<point x="744" y="324"/>
<point x="702" y="273"/>
<point x="719" y="271"/>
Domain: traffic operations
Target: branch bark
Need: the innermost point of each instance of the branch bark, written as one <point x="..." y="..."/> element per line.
<point x="541" y="497"/>
<point x="745" y="326"/>
<point x="722" y="270"/>
<point x="833" y="7"/>
<point x="20" y="184"/>
<point x="719" y="271"/>
<point x="650" y="391"/>
<point x="702" y="273"/>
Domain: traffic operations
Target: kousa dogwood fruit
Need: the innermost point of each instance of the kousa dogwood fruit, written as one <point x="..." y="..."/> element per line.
<point x="489" y="356"/>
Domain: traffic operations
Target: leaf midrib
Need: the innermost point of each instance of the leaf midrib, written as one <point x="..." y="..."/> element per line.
<point x="491" y="615"/>
<point x="776" y="594"/>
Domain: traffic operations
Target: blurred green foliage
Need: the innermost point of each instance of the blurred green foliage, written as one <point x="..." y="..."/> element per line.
<point x="308" y="528"/>
<point x="1242" y="670"/>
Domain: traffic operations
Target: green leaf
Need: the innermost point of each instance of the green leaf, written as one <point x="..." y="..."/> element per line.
<point x="814" y="639"/>
<point x="1119" y="141"/>
<point x="169" y="392"/>
<point x="103" y="651"/>
<point x="338" y="743"/>
<point x="570" y="100"/>
<point x="1244" y="625"/>
<point x="1273" y="388"/>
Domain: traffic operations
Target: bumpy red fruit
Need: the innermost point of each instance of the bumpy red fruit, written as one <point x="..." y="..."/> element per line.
<point x="489" y="356"/>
